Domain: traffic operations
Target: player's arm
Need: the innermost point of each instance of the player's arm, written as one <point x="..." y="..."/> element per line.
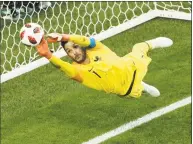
<point x="77" y="39"/>
<point x="69" y="69"/>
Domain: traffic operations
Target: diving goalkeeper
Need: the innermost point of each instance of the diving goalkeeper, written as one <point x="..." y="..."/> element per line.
<point x="96" y="66"/>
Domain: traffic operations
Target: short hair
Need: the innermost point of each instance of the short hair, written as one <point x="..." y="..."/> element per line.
<point x="63" y="44"/>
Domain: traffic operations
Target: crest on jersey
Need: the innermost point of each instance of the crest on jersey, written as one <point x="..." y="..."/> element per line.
<point x="97" y="58"/>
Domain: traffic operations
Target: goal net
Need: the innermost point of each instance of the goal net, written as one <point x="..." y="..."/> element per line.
<point x="98" y="19"/>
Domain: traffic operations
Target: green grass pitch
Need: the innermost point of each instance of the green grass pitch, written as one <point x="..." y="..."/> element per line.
<point x="44" y="107"/>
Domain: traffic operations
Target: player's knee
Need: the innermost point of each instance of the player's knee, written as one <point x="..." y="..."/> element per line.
<point x="137" y="46"/>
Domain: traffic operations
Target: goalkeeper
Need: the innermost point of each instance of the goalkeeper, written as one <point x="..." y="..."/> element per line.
<point x="96" y="66"/>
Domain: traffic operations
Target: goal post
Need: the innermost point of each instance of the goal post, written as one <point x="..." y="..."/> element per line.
<point x="100" y="20"/>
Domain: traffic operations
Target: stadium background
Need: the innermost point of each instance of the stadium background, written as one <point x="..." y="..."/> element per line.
<point x="43" y="106"/>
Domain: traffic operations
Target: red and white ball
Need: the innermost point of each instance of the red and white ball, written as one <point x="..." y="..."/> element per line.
<point x="31" y="34"/>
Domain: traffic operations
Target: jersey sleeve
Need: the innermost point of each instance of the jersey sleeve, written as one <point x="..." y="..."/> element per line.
<point x="86" y="42"/>
<point x="66" y="67"/>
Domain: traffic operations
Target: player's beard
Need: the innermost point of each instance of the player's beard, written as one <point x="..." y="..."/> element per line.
<point x="83" y="56"/>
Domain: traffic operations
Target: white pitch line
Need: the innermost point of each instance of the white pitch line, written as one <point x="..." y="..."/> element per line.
<point x="139" y="121"/>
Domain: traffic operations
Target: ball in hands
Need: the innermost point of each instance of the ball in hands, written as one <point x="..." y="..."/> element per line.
<point x="31" y="34"/>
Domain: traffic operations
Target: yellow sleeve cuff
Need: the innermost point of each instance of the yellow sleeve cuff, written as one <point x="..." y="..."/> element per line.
<point x="80" y="40"/>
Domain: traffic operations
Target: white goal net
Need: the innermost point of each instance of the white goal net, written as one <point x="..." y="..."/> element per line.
<point x="98" y="19"/>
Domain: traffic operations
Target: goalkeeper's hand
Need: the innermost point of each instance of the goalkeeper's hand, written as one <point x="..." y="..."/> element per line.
<point x="56" y="37"/>
<point x="43" y="49"/>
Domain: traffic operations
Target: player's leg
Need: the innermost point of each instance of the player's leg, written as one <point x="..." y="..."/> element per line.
<point x="142" y="48"/>
<point x="140" y="52"/>
<point x="153" y="91"/>
<point x="141" y="60"/>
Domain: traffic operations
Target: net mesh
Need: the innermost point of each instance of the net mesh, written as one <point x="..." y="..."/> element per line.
<point x="175" y="6"/>
<point x="84" y="18"/>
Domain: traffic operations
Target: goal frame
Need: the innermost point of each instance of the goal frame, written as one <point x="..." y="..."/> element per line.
<point x="101" y="36"/>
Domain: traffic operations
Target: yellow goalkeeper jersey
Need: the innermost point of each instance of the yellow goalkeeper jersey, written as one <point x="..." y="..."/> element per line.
<point x="106" y="71"/>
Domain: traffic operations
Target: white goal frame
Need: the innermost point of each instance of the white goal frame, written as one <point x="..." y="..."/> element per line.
<point x="101" y="36"/>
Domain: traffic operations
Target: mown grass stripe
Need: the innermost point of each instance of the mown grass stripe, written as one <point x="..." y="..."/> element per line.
<point x="139" y="121"/>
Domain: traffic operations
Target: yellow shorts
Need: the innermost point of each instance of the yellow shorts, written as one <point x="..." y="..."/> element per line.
<point x="141" y="60"/>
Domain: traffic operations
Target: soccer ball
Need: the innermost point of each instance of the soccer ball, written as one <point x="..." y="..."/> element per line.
<point x="31" y="34"/>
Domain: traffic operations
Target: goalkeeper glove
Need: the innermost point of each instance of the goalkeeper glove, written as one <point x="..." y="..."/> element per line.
<point x="43" y="49"/>
<point x="54" y="37"/>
